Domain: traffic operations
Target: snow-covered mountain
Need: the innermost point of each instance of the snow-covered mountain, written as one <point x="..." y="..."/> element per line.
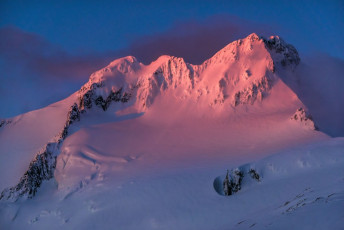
<point x="133" y="132"/>
<point x="240" y="73"/>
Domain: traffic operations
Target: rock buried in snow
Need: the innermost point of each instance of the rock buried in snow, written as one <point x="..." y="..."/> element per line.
<point x="232" y="183"/>
<point x="234" y="180"/>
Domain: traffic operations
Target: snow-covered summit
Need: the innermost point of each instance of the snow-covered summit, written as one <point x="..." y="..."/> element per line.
<point x="241" y="73"/>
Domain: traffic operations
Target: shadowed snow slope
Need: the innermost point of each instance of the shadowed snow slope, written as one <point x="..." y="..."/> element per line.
<point x="26" y="135"/>
<point x="152" y="138"/>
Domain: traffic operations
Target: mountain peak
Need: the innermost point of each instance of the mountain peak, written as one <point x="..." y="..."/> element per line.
<point x="127" y="59"/>
<point x="280" y="51"/>
<point x="243" y="72"/>
<point x="253" y="37"/>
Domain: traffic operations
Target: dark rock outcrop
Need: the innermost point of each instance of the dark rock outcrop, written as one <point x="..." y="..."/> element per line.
<point x="40" y="169"/>
<point x="90" y="97"/>
<point x="232" y="182"/>
<point x="43" y="166"/>
<point x="304" y="118"/>
<point x="5" y="122"/>
<point x="254" y="174"/>
<point x="277" y="44"/>
<point x="73" y="116"/>
<point x="235" y="180"/>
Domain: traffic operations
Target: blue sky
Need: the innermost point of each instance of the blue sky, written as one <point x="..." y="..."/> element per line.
<point x="86" y="26"/>
<point x="49" y="48"/>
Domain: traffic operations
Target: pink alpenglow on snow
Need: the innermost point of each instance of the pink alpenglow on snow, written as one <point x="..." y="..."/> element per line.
<point x="160" y="138"/>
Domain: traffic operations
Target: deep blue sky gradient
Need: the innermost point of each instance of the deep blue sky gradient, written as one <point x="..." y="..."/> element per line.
<point x="87" y="26"/>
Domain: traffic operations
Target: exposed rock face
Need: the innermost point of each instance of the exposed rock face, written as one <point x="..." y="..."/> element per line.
<point x="73" y="116"/>
<point x="226" y="185"/>
<point x="288" y="52"/>
<point x="254" y="174"/>
<point x="5" y="122"/>
<point x="304" y="118"/>
<point x="235" y="179"/>
<point x="40" y="169"/>
<point x="232" y="182"/>
<point x="90" y="97"/>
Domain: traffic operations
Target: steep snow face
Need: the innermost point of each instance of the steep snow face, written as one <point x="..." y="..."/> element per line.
<point x="240" y="73"/>
<point x="172" y="74"/>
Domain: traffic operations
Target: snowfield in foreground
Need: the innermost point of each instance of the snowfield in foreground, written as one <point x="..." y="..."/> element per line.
<point x="301" y="188"/>
<point x="148" y="147"/>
